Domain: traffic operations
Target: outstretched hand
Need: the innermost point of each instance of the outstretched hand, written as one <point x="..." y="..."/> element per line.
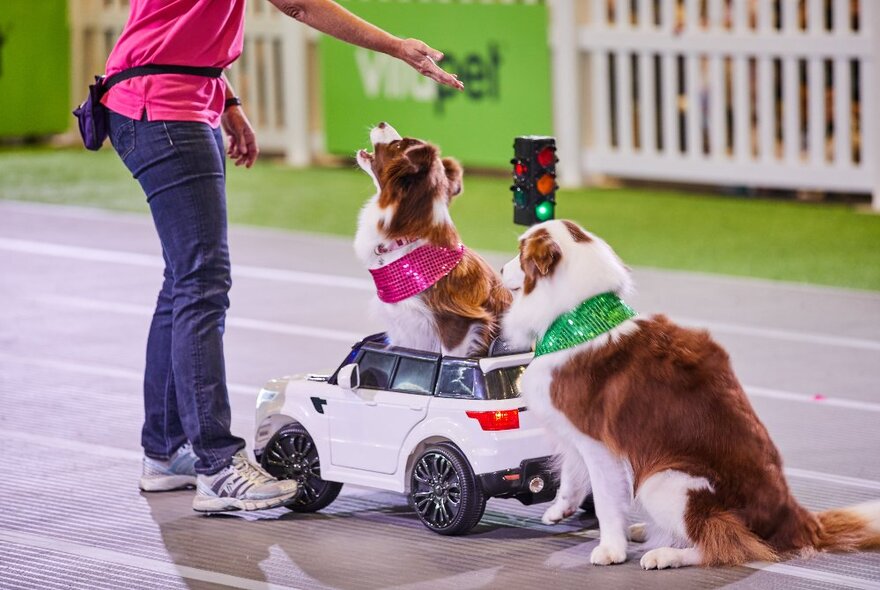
<point x="423" y="58"/>
<point x="242" y="146"/>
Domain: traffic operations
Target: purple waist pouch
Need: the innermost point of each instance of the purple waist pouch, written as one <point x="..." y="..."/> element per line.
<point x="92" y="116"/>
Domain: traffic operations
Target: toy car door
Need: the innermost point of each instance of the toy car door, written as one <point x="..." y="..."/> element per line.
<point x="369" y="424"/>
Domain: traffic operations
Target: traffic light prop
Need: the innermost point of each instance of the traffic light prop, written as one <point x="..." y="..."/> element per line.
<point x="534" y="179"/>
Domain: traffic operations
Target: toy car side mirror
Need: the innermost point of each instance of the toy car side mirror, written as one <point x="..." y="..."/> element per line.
<point x="349" y="377"/>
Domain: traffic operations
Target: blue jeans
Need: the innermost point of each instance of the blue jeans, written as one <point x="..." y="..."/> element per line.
<point x="181" y="167"/>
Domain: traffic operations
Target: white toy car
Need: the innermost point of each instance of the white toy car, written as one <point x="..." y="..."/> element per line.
<point x="449" y="432"/>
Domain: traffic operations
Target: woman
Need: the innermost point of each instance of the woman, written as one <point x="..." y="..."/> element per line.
<point x="166" y="129"/>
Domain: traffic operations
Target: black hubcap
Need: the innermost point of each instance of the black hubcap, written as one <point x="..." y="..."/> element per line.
<point x="436" y="490"/>
<point x="295" y="457"/>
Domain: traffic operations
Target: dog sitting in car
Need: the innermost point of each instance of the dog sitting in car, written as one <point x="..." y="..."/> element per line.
<point x="432" y="292"/>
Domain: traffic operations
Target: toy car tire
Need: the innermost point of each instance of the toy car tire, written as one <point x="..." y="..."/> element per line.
<point x="444" y="492"/>
<point x="291" y="454"/>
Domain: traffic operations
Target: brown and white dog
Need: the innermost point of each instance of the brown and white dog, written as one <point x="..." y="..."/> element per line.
<point x="458" y="314"/>
<point x="654" y="411"/>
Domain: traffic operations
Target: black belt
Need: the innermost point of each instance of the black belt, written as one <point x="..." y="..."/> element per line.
<point x="152" y="69"/>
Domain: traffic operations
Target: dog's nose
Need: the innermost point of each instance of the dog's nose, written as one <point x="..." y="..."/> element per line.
<point x="382" y="124"/>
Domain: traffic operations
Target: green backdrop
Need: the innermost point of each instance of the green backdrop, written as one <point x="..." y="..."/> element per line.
<point x="34" y="68"/>
<point x="499" y="51"/>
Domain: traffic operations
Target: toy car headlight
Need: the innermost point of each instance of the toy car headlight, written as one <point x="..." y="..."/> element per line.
<point x="265" y="396"/>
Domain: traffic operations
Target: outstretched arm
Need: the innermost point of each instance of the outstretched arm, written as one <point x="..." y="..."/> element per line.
<point x="329" y="17"/>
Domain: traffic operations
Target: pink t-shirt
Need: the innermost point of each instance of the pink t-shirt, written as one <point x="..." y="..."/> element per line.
<point x="204" y="33"/>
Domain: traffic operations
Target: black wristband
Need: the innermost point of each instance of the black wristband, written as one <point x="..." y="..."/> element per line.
<point x="232" y="102"/>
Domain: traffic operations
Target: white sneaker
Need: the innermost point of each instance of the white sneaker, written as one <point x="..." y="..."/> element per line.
<point x="241" y="486"/>
<point x="175" y="473"/>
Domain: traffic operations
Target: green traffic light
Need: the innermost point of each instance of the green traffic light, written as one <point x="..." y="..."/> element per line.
<point x="544" y="211"/>
<point x="519" y="197"/>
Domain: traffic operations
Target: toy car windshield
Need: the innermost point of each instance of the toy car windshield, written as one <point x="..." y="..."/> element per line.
<point x="386" y="367"/>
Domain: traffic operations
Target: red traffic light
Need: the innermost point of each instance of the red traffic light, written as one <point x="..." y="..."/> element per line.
<point x="520" y="169"/>
<point x="547" y="156"/>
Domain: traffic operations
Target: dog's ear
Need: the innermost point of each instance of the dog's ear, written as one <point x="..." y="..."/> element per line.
<point x="576" y="232"/>
<point x="539" y="255"/>
<point x="419" y="159"/>
<point x="453" y="175"/>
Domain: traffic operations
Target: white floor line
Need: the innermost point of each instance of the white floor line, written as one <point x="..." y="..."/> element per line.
<point x="135" y="259"/>
<point x="80" y="253"/>
<point x="57" y="442"/>
<point x="328" y="280"/>
<point x="303" y="278"/>
<point x="125" y="559"/>
<point x="812" y="400"/>
<point x="239" y="322"/>
<point x="107" y="371"/>
<point x="815" y="575"/>
<point x="801" y="337"/>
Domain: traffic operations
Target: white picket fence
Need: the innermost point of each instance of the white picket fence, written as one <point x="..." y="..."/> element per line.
<point x="753" y="93"/>
<point x="272" y="76"/>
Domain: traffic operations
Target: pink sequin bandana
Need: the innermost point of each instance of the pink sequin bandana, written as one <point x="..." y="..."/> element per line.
<point x="415" y="272"/>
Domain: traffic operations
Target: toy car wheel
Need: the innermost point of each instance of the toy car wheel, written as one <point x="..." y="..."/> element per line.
<point x="291" y="454"/>
<point x="444" y="492"/>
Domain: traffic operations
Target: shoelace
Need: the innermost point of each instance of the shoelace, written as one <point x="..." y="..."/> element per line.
<point x="249" y="471"/>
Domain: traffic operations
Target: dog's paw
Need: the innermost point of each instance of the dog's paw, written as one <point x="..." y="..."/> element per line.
<point x="664" y="557"/>
<point x="608" y="555"/>
<point x="557" y="512"/>
<point x="638" y="533"/>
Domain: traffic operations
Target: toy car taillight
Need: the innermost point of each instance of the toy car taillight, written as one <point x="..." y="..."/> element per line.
<point x="497" y="419"/>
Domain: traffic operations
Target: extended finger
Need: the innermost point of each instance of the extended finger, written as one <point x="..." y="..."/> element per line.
<point x="440" y="75"/>
<point x="430" y="52"/>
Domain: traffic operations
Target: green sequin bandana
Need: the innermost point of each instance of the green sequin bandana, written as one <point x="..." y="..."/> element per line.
<point x="591" y="318"/>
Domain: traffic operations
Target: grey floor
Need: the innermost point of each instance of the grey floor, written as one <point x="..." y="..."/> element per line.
<point x="76" y="288"/>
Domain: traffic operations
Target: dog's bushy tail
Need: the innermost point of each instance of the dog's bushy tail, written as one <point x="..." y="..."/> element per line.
<point x="850" y="529"/>
<point x="725" y="540"/>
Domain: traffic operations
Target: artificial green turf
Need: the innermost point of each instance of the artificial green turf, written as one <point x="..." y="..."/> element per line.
<point x="826" y="244"/>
